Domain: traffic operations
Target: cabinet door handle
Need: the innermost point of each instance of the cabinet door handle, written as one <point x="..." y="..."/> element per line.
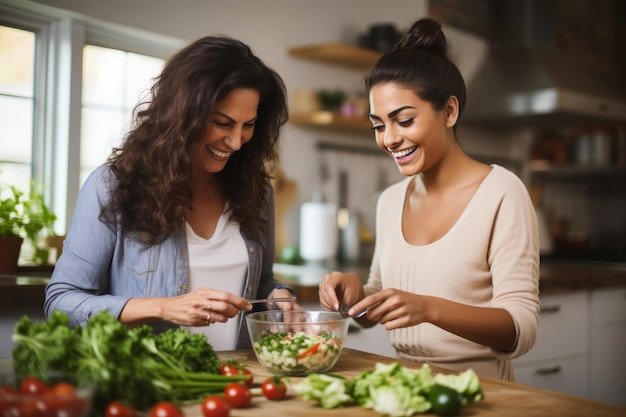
<point x="549" y="309"/>
<point x="548" y="370"/>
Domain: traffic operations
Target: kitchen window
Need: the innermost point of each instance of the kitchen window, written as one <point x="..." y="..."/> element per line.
<point x="114" y="81"/>
<point x="17" y="101"/>
<point x="68" y="86"/>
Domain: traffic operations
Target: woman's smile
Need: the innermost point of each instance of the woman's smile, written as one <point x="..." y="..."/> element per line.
<point x="404" y="156"/>
<point x="221" y="155"/>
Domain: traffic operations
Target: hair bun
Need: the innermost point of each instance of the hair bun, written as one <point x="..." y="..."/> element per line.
<point x="425" y="34"/>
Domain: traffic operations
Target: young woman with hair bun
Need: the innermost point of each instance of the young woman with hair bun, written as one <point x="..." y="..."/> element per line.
<point x="454" y="276"/>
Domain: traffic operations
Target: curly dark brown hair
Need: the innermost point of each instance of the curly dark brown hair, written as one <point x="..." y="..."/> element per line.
<point x="153" y="166"/>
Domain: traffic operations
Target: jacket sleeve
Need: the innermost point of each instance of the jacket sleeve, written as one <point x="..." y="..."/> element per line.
<point x="80" y="282"/>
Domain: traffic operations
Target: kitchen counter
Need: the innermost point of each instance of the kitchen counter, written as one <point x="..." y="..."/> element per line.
<point x="502" y="399"/>
<point x="555" y="276"/>
<point x="570" y="275"/>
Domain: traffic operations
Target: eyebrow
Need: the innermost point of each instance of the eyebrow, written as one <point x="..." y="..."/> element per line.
<point x="233" y="120"/>
<point x="391" y="114"/>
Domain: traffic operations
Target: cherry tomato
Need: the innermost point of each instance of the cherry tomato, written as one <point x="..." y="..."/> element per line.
<point x="33" y="407"/>
<point x="63" y="389"/>
<point x="238" y="395"/>
<point x="7" y="389"/>
<point x="274" y="388"/>
<point x="117" y="409"/>
<point x="35" y="386"/>
<point x="232" y="368"/>
<point x="244" y="371"/>
<point x="215" y="406"/>
<point x="166" y="409"/>
<point x="227" y="368"/>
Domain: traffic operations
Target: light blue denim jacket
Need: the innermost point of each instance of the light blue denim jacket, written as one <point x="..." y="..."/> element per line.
<point x="101" y="267"/>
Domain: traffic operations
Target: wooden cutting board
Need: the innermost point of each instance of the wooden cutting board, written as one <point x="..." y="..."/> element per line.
<point x="503" y="399"/>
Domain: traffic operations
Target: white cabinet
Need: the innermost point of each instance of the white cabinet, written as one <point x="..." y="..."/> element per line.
<point x="559" y="360"/>
<point x="608" y="345"/>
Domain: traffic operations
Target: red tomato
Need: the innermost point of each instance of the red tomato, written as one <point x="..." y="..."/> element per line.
<point x="215" y="406"/>
<point x="35" y="386"/>
<point x="7" y="389"/>
<point x="63" y="389"/>
<point x="274" y="388"/>
<point x="237" y="369"/>
<point x="238" y="395"/>
<point x="166" y="409"/>
<point x="227" y="368"/>
<point x="117" y="409"/>
<point x="244" y="371"/>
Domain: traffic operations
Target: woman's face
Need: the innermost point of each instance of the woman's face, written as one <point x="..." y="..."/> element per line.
<point x="230" y="126"/>
<point x="408" y="128"/>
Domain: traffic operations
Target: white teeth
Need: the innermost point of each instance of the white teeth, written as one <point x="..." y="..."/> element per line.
<point x="404" y="152"/>
<point x="217" y="152"/>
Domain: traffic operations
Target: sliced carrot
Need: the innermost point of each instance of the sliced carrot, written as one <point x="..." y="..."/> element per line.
<point x="310" y="351"/>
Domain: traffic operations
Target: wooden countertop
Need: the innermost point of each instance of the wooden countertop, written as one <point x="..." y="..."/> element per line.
<point x="502" y="399"/>
<point x="561" y="276"/>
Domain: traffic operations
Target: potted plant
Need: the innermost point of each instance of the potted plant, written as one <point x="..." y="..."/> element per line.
<point x="22" y="216"/>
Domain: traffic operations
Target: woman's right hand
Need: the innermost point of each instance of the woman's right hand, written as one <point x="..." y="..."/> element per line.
<point x="338" y="287"/>
<point x="203" y="306"/>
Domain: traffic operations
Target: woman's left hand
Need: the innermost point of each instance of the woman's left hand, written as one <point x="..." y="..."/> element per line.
<point x="394" y="308"/>
<point x="284" y="305"/>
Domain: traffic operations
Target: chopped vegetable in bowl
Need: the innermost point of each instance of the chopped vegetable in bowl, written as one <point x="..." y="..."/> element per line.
<point x="297" y="342"/>
<point x="297" y="353"/>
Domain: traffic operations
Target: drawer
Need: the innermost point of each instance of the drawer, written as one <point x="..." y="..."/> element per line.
<point x="568" y="375"/>
<point x="563" y="327"/>
<point x="608" y="305"/>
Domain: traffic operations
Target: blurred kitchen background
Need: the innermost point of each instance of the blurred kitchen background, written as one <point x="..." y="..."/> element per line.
<point x="546" y="99"/>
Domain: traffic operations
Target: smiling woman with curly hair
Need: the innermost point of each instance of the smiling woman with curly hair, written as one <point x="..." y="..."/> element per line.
<point x="178" y="226"/>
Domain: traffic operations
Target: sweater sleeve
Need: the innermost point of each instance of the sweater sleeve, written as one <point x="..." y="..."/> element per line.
<point x="514" y="262"/>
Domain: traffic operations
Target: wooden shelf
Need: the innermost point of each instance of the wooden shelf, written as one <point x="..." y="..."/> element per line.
<point x="327" y="119"/>
<point x="338" y="54"/>
<point x="544" y="168"/>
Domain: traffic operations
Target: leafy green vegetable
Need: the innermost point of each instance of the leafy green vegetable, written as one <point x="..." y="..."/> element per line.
<point x="328" y="390"/>
<point x="466" y="383"/>
<point x="129" y="365"/>
<point x="389" y="389"/>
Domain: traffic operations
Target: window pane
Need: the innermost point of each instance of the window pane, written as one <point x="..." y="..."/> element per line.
<point x="103" y="76"/>
<point x="101" y="130"/>
<point x="113" y="83"/>
<point x="17" y="61"/>
<point x="141" y="73"/>
<point x="16" y="121"/>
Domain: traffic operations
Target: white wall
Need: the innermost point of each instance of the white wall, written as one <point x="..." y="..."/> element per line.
<point x="271" y="27"/>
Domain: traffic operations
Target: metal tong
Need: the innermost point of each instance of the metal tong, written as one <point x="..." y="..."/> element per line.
<point x="272" y="300"/>
<point x="343" y="307"/>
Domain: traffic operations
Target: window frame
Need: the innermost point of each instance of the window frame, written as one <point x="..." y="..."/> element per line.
<point x="60" y="38"/>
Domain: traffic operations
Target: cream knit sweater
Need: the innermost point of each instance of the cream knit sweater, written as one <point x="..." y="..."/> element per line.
<point x="490" y="257"/>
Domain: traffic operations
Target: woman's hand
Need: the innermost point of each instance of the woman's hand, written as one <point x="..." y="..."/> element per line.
<point x="394" y="308"/>
<point x="338" y="287"/>
<point x="284" y="305"/>
<point x="203" y="307"/>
